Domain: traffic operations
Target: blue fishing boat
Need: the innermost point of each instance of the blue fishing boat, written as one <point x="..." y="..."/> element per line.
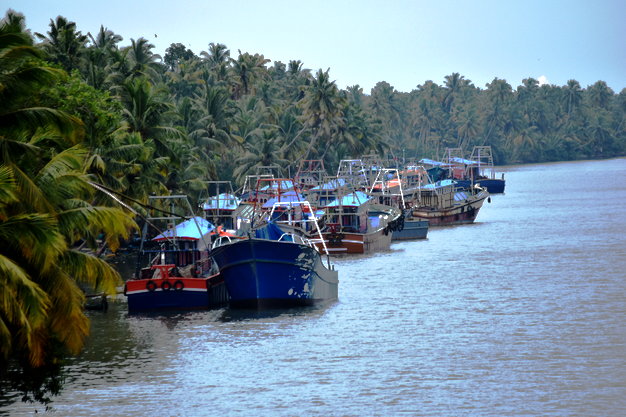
<point x="276" y="268"/>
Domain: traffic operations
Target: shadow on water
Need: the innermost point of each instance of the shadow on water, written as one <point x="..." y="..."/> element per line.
<point x="234" y="315"/>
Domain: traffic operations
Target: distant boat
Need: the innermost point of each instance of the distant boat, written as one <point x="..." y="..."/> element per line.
<point x="477" y="170"/>
<point x="274" y="268"/>
<point x="388" y="188"/>
<point x="483" y="173"/>
<point x="221" y="208"/>
<point x="178" y="272"/>
<point x="355" y="223"/>
<point x="443" y="202"/>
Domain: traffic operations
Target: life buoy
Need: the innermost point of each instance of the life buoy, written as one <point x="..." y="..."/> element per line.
<point x="179" y="285"/>
<point x="151" y="286"/>
<point x="166" y="286"/>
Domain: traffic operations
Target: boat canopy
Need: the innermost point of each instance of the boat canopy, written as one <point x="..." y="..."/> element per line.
<point x="286" y="197"/>
<point x="187" y="230"/>
<point x="277" y="184"/>
<point x="331" y="185"/>
<point x="434" y="163"/>
<point x="224" y="201"/>
<point x="439" y="184"/>
<point x="354" y="199"/>
<point x="463" y="161"/>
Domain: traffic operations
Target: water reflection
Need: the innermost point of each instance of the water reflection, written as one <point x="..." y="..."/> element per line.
<point x="519" y="314"/>
<point x="234" y="315"/>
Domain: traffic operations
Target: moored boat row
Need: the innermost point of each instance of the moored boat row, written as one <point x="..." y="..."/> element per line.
<point x="270" y="246"/>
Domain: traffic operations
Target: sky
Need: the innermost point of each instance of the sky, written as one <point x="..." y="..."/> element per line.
<point x="402" y="42"/>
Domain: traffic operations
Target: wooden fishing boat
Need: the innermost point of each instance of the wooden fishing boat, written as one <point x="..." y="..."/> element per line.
<point x="477" y="170"/>
<point x="272" y="268"/>
<point x="354" y="223"/>
<point x="175" y="269"/>
<point x="444" y="203"/>
<point x="388" y="189"/>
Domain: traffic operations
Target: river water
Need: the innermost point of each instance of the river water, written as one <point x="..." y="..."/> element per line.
<point x="521" y="314"/>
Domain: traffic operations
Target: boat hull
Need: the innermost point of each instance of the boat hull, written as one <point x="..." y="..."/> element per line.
<point x="175" y="293"/>
<point x="461" y="213"/>
<point x="413" y="229"/>
<point x="493" y="186"/>
<point x="354" y="243"/>
<point x="261" y="273"/>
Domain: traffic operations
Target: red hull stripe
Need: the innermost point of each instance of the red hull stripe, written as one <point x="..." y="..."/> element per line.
<point x="132" y="292"/>
<point x="190" y="284"/>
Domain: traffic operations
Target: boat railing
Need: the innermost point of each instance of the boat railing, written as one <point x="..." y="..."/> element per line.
<point x="296" y="239"/>
<point x="222" y="240"/>
<point x="307" y="209"/>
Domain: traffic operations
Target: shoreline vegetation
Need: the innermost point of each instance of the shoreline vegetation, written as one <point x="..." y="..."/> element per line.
<point x="80" y="110"/>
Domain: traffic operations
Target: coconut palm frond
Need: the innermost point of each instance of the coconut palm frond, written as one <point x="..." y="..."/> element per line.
<point x="22" y="304"/>
<point x="91" y="270"/>
<point x="116" y="223"/>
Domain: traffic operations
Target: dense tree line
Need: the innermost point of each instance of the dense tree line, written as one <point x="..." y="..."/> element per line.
<point x="218" y="115"/>
<point x="79" y="110"/>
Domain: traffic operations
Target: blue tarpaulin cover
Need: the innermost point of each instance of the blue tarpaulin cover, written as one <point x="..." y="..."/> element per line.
<point x="270" y="231"/>
<point x="439" y="184"/>
<point x="432" y="162"/>
<point x="330" y="185"/>
<point x="463" y="161"/>
<point x="187" y="230"/>
<point x="353" y="199"/>
<point x="286" y="197"/>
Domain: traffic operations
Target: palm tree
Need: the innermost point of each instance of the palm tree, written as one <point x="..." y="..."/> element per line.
<point x="573" y="96"/>
<point x="500" y="95"/>
<point x="264" y="151"/>
<point x="467" y="126"/>
<point x="600" y="94"/>
<point x="321" y="111"/>
<point x="99" y="56"/>
<point x="218" y="55"/>
<point x="216" y="62"/>
<point x="247" y="70"/>
<point x="359" y="134"/>
<point x="147" y="110"/>
<point x="143" y="62"/>
<point x="22" y="76"/>
<point x="64" y="44"/>
<point x="212" y="129"/>
<point x="454" y="83"/>
<point x="44" y="211"/>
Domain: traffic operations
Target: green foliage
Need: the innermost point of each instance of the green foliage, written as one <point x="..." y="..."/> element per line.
<point x="47" y="206"/>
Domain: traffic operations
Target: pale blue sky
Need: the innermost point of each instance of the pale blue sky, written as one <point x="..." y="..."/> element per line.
<point x="362" y="42"/>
